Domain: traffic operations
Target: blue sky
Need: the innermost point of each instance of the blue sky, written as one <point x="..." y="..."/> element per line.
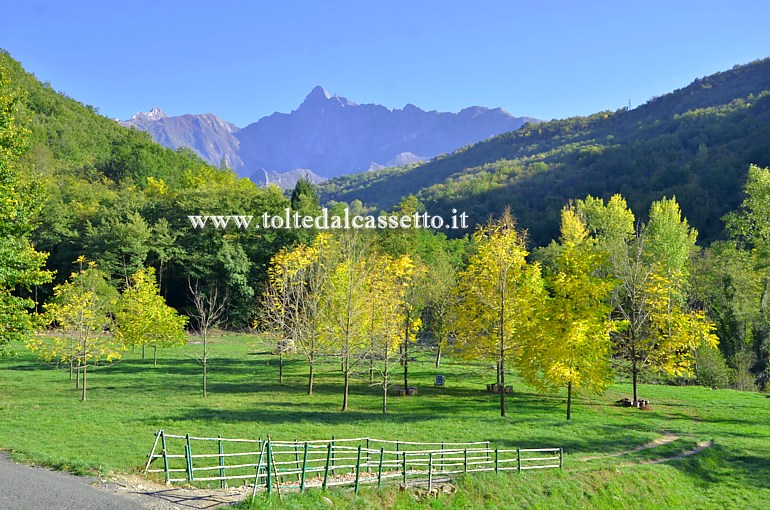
<point x="244" y="60"/>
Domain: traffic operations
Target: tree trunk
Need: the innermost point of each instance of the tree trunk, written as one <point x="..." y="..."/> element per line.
<point x="502" y="387"/>
<point x="385" y="398"/>
<point x="406" y="350"/>
<point x="438" y="357"/>
<point x="634" y="371"/>
<point x="345" y="391"/>
<point x="204" y="377"/>
<point x="143" y="351"/>
<point x="85" y="371"/>
<point x="310" y="379"/>
<point x="280" y="366"/>
<point x="569" y="400"/>
<point x="385" y="384"/>
<point x="77" y="375"/>
<point x="371" y="368"/>
<point x="406" y="365"/>
<point x="72" y="362"/>
<point x="85" y="368"/>
<point x="155" y="356"/>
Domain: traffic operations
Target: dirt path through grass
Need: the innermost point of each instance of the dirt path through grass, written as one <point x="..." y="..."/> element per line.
<point x="666" y="438"/>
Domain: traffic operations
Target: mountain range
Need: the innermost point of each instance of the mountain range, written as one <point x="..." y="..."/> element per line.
<point x="326" y="136"/>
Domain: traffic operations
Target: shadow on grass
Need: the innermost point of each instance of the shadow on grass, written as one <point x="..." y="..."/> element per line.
<point x="711" y="465"/>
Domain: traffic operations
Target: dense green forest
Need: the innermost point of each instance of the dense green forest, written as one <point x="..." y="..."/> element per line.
<point x="695" y="143"/>
<point x="114" y="195"/>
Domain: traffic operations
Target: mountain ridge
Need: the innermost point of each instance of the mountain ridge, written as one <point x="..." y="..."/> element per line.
<point x="325" y="136"/>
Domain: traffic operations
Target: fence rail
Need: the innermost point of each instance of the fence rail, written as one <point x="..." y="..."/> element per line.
<point x="297" y="465"/>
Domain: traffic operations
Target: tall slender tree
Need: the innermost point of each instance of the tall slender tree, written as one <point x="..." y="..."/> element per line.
<point x="574" y="347"/>
<point x="345" y="309"/>
<point x="501" y="298"/>
<point x="207" y="314"/>
<point x="651" y="268"/>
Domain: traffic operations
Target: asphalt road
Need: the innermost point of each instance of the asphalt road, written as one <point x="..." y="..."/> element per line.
<point x="33" y="488"/>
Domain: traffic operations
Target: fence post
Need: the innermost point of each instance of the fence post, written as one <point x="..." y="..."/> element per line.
<point x="304" y="469"/>
<point x="358" y="468"/>
<point x="223" y="483"/>
<point x="561" y="458"/>
<point x="269" y="469"/>
<point x="261" y="458"/>
<point x="368" y="455"/>
<point x="496" y="461"/>
<point x="430" y="470"/>
<point x="165" y="456"/>
<point x="465" y="460"/>
<point x="518" y="460"/>
<point x="332" y="443"/>
<point x="326" y="470"/>
<point x="442" y="456"/>
<point x="487" y="451"/>
<point x="296" y="456"/>
<point x="150" y="457"/>
<point x="379" y="470"/>
<point x="188" y="457"/>
<point x="404" y="467"/>
<point x="259" y="469"/>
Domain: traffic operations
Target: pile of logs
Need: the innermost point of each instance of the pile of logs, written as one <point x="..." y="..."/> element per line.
<point x="627" y="402"/>
<point x="497" y="388"/>
<point x="400" y="392"/>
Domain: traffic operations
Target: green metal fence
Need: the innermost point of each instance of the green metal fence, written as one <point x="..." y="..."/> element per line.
<point x="297" y="465"/>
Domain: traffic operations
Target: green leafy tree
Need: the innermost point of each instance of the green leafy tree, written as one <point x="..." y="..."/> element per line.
<point x="750" y="226"/>
<point x="144" y="319"/>
<point x="120" y="242"/>
<point x="21" y="266"/>
<point x="651" y="267"/>
<point x="441" y="305"/>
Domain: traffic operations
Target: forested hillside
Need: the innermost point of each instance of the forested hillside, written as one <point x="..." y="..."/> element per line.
<point x="695" y="143"/>
<point x="122" y="200"/>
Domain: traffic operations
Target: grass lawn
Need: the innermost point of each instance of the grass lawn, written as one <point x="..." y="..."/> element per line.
<point x="43" y="420"/>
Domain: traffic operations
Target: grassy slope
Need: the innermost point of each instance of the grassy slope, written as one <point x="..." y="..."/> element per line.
<point x="42" y="420"/>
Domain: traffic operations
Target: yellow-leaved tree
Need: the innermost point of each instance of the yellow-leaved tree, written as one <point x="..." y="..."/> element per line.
<point x="81" y="309"/>
<point x="290" y="306"/>
<point x="501" y="298"/>
<point x="144" y="319"/>
<point x="345" y="309"/>
<point x="388" y="285"/>
<point x="574" y="347"/>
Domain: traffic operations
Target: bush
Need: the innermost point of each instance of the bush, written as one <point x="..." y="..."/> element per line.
<point x="712" y="369"/>
<point x="743" y="379"/>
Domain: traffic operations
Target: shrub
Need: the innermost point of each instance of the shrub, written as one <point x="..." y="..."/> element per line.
<point x="712" y="368"/>
<point x="743" y="379"/>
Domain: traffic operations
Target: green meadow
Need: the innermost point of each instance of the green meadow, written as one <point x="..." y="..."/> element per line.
<point x="43" y="421"/>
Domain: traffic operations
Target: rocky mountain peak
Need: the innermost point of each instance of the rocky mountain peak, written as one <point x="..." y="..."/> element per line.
<point x="154" y="114"/>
